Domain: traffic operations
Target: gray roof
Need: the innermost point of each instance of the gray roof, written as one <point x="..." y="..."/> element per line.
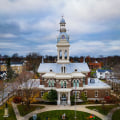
<point x="45" y="67"/>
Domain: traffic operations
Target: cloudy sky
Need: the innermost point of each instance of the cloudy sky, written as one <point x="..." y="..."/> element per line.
<point x="32" y="26"/>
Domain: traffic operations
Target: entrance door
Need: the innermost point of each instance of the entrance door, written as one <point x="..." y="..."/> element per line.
<point x="63" y="99"/>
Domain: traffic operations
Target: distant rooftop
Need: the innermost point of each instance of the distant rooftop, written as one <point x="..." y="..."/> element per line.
<point x="100" y="70"/>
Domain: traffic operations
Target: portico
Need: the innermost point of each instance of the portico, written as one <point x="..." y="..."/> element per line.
<point x="63" y="96"/>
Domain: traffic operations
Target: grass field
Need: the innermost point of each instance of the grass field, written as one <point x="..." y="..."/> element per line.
<point x="70" y="114"/>
<point x="23" y="110"/>
<point x="103" y="110"/>
<point x="10" y="111"/>
<point x="116" y="115"/>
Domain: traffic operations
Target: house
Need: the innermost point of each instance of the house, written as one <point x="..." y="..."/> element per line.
<point x="17" y="67"/>
<point x="104" y="74"/>
<point x="94" y="65"/>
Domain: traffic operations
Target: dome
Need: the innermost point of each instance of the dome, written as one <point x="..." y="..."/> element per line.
<point x="63" y="35"/>
<point x="62" y="21"/>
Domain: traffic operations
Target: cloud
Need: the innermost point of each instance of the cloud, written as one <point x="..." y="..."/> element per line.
<point x="94" y="48"/>
<point x="7" y="35"/>
<point x="31" y="25"/>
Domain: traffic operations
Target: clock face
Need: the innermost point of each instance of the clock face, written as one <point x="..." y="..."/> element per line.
<point x="63" y="37"/>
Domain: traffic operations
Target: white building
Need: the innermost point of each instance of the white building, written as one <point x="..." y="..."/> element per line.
<point x="103" y="74"/>
<point x="69" y="78"/>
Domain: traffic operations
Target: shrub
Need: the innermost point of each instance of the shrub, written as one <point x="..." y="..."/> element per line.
<point x="17" y="99"/>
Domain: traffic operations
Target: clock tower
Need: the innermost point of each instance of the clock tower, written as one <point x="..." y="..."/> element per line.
<point x="63" y="44"/>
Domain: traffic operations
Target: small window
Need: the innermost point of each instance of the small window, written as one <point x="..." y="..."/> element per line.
<point x="63" y="37"/>
<point x="75" y="70"/>
<point x="83" y="81"/>
<point x="107" y="93"/>
<point x="42" y="93"/>
<point x="85" y="93"/>
<point x="96" y="93"/>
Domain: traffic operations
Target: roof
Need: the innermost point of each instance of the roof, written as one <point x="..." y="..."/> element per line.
<point x="98" y="84"/>
<point x="56" y="68"/>
<point x="100" y="70"/>
<point x="62" y="21"/>
<point x="65" y="35"/>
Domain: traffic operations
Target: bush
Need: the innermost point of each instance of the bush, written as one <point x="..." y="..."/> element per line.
<point x="17" y="99"/>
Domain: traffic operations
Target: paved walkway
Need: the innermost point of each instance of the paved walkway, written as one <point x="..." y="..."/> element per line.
<point x="58" y="107"/>
<point x="109" y="116"/>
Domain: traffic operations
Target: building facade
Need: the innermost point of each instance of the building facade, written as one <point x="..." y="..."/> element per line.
<point x="69" y="78"/>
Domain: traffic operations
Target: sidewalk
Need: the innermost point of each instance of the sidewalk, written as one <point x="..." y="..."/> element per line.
<point x="18" y="117"/>
<point x="58" y="107"/>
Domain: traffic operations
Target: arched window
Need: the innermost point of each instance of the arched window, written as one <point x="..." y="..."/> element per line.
<point x="61" y="84"/>
<point x="65" y="85"/>
<point x="49" y="83"/>
<point x="53" y="83"/>
<point x="60" y="54"/>
<point x="65" y="54"/>
<point x="77" y="83"/>
<point x="63" y="37"/>
<point x="74" y="84"/>
<point x="83" y="81"/>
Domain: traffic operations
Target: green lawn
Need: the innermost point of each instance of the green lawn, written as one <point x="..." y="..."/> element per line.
<point x="70" y="114"/>
<point x="103" y="110"/>
<point x="10" y="111"/>
<point x="23" y="110"/>
<point x="116" y="115"/>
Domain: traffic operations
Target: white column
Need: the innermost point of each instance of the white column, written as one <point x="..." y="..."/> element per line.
<point x="58" y="101"/>
<point x="68" y="99"/>
<point x="58" y="57"/>
<point x="67" y="54"/>
<point x="62" y="54"/>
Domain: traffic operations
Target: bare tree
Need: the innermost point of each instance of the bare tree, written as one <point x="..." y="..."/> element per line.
<point x="33" y="61"/>
<point x="2" y="90"/>
<point x="116" y="79"/>
<point x="26" y="86"/>
<point x="116" y="71"/>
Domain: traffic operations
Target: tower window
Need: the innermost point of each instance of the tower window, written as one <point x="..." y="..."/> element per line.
<point x="65" y="54"/>
<point x="60" y="54"/>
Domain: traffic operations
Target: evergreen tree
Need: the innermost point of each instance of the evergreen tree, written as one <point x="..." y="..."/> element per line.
<point x="52" y="95"/>
<point x="10" y="72"/>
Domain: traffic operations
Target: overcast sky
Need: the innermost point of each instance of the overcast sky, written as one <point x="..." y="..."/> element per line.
<point x="32" y="26"/>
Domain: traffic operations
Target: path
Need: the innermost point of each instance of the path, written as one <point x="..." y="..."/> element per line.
<point x="17" y="112"/>
<point x="58" y="107"/>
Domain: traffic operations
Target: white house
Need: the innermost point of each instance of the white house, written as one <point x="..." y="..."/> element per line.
<point x="103" y="74"/>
